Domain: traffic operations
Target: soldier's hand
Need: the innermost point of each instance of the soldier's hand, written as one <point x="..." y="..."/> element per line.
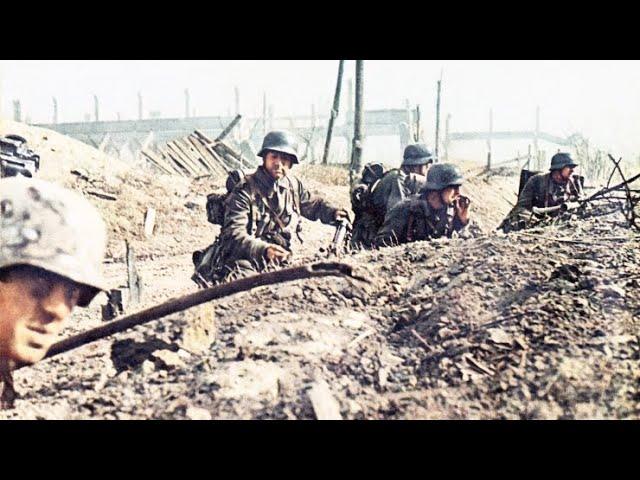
<point x="462" y="204"/>
<point x="276" y="252"/>
<point x="342" y="214"/>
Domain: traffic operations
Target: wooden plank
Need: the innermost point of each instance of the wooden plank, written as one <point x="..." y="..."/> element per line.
<point x="325" y="406"/>
<point x="185" y="160"/>
<point x="204" y="153"/>
<point x="234" y="154"/>
<point x="170" y="155"/>
<point x="157" y="162"/>
<point x="195" y="163"/>
<point x="188" y="149"/>
<point x="177" y="168"/>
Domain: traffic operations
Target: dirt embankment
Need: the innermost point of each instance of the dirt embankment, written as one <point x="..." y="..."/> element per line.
<point x="536" y="325"/>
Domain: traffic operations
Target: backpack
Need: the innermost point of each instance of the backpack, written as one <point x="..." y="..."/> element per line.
<point x="216" y="201"/>
<point x="371" y="174"/>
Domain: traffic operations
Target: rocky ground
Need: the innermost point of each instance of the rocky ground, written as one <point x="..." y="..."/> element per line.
<point x="541" y="324"/>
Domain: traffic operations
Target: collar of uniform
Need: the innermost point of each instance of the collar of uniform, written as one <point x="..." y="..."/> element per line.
<point x="266" y="182"/>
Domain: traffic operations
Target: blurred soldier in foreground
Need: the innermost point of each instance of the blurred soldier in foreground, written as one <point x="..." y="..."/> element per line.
<point x="261" y="216"/>
<point x="438" y="211"/>
<point x="544" y="191"/>
<point x="52" y="244"/>
<point x="379" y="192"/>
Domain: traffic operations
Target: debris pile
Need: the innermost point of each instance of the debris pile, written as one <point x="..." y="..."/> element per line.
<point x="197" y="155"/>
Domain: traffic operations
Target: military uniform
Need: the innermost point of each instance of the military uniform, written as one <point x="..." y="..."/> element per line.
<point x="414" y="219"/>
<point x="261" y="212"/>
<point x="395" y="186"/>
<point x="542" y="191"/>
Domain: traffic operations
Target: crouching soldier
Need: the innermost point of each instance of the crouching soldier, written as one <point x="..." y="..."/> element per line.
<point x="542" y="191"/>
<point x="262" y="216"/>
<point x="52" y="244"/>
<point x="438" y="211"/>
<point x="379" y="195"/>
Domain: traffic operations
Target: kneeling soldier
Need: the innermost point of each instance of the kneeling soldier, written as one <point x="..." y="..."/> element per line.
<point x="263" y="213"/>
<point x="437" y="212"/>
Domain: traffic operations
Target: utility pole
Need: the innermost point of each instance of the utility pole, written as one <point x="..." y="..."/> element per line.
<point x="356" y="154"/>
<point x="55" y="111"/>
<point x="96" y="108"/>
<point x="17" y="111"/>
<point x="334" y="113"/>
<point x="186" y="103"/>
<point x="438" y="115"/>
<point x="264" y="114"/>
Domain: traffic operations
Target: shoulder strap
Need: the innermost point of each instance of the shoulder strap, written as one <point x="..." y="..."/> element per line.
<point x="255" y="191"/>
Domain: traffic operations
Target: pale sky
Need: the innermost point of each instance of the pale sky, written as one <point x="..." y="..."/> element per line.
<point x="600" y="99"/>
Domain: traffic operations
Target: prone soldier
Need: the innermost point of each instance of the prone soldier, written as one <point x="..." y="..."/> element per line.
<point x="438" y="211"/>
<point x="372" y="201"/>
<point x="552" y="189"/>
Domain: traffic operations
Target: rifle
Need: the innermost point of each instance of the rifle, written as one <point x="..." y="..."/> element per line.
<point x="340" y="237"/>
<point x="16" y="159"/>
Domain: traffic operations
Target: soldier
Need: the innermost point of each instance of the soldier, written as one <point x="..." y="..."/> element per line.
<point x="438" y="211"/>
<point x="52" y="243"/>
<point x="262" y="214"/>
<point x="550" y="189"/>
<point x="382" y="195"/>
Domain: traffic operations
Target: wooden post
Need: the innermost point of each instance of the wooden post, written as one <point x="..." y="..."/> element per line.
<point x="536" y="151"/>
<point x="488" y="160"/>
<point x="271" y="117"/>
<point x="238" y="131"/>
<point x="139" y="106"/>
<point x="349" y="129"/>
<point x="446" y="139"/>
<point x="438" y="116"/>
<point x="356" y="155"/>
<point x="17" y="111"/>
<point x="96" y="108"/>
<point x="334" y="113"/>
<point x="55" y="111"/>
<point x="186" y="103"/>
<point x="264" y="114"/>
<point x="417" y="134"/>
<point x="489" y="137"/>
<point x="528" y="166"/>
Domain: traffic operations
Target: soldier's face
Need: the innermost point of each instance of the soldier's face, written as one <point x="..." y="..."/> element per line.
<point x="450" y="194"/>
<point x="566" y="173"/>
<point x="276" y="164"/>
<point x="33" y="310"/>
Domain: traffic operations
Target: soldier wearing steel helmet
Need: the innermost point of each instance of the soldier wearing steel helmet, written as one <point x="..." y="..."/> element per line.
<point x="52" y="243"/>
<point x="550" y="189"/>
<point x="438" y="211"/>
<point x="382" y="195"/>
<point x="262" y="214"/>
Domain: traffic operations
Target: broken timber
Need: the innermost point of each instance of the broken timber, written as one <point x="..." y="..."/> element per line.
<point x="197" y="155"/>
<point x="322" y="269"/>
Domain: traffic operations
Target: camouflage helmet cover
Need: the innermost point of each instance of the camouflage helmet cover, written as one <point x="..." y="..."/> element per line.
<point x="49" y="227"/>
<point x="280" y="141"/>
<point x="443" y="175"/>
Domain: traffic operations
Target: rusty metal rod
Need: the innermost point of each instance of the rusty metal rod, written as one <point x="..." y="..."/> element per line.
<point x="322" y="269"/>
